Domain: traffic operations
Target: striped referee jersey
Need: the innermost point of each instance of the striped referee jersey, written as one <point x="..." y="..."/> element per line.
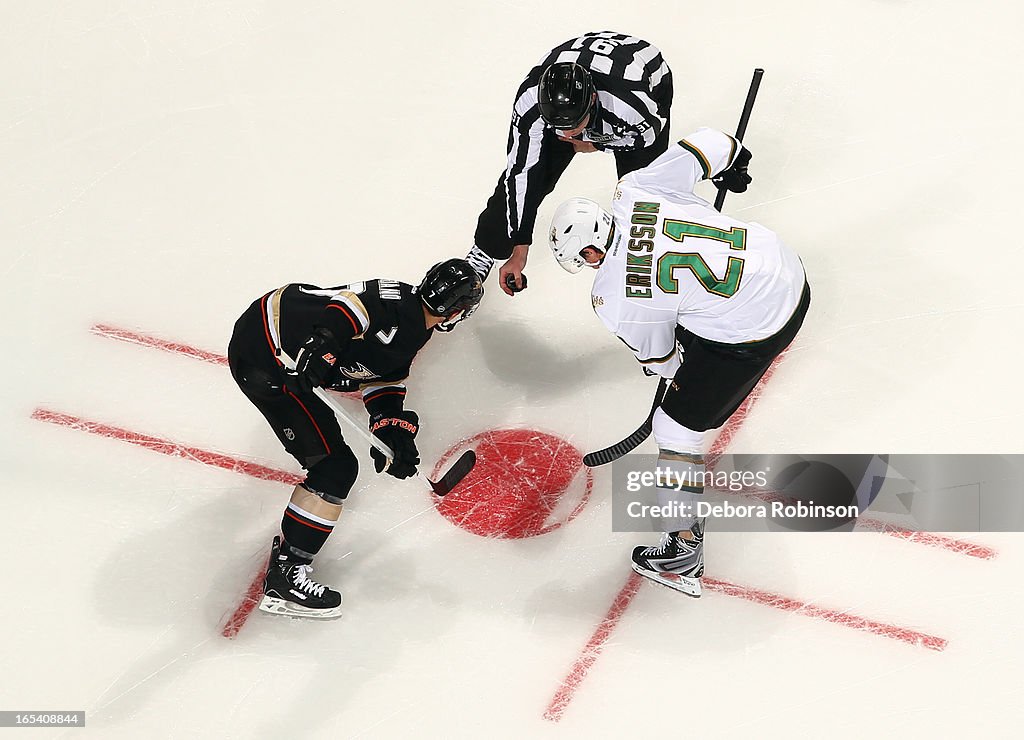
<point x="632" y="109"/>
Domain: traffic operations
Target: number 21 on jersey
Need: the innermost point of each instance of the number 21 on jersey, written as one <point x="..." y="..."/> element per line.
<point x="725" y="286"/>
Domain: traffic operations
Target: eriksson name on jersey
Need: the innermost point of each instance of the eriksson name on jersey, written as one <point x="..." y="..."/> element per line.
<point x="639" y="267"/>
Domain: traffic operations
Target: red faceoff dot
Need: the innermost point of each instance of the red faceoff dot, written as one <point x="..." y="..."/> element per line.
<point x="525" y="483"/>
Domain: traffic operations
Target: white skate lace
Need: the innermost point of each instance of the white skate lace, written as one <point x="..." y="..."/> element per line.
<point x="302" y="581"/>
<point x="660" y="548"/>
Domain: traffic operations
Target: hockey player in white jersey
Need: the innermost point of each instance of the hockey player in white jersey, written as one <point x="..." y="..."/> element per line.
<point x="701" y="298"/>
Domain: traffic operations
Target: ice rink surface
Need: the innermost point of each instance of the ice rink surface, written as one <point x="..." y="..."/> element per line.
<point x="166" y="163"/>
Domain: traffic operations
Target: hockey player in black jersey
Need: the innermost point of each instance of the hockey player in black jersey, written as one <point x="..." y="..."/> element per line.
<point x="354" y="337"/>
<point x="603" y="91"/>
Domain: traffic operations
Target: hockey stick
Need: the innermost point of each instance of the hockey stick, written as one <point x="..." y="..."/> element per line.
<point x="741" y="129"/>
<point x="617" y="450"/>
<point x="459" y="470"/>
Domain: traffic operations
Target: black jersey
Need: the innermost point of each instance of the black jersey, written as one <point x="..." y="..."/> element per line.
<point x="380" y="326"/>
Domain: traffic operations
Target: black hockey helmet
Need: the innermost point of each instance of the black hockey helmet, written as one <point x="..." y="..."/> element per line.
<point x="566" y="94"/>
<point x="449" y="287"/>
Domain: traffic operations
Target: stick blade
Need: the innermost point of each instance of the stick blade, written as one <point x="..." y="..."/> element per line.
<point x="455" y="474"/>
<point x="617" y="450"/>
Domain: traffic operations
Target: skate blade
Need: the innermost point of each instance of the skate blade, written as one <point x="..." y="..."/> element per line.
<point x="683" y="584"/>
<point x="287" y="609"/>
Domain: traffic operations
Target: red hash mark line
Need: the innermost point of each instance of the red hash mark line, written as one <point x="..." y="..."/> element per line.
<point x="604" y="630"/>
<point x="960" y="547"/>
<point x="594" y="646"/>
<point x="166" y="447"/>
<point x="592" y="649"/>
<point x="786" y="604"/>
<point x="146" y="340"/>
<point x="177" y="348"/>
<point x="238" y="617"/>
<point x="245" y="608"/>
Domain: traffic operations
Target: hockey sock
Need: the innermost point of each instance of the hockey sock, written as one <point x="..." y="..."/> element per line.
<point x="307" y="523"/>
<point x="680" y="483"/>
<point x="682" y="472"/>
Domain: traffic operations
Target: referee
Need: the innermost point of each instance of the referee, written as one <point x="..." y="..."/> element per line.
<point x="603" y="91"/>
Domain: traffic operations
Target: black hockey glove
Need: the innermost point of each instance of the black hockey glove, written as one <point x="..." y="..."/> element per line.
<point x="397" y="431"/>
<point x="314" y="363"/>
<point x="342" y="384"/>
<point x="735" y="178"/>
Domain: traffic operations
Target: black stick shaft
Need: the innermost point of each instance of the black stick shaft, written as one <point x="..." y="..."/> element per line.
<point x="741" y="129"/>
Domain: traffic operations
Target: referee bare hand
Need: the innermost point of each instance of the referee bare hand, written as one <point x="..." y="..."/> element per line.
<point x="514" y="267"/>
<point x="581" y="147"/>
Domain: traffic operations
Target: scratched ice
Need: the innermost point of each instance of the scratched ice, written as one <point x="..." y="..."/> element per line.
<point x="165" y="165"/>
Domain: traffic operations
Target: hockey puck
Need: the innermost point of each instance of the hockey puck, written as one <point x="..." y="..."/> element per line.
<point x="510" y="281"/>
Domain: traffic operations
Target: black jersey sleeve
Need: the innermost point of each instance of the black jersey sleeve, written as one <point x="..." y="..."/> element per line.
<point x="386" y="395"/>
<point x="346" y="314"/>
<point x="526" y="166"/>
<point x="390" y="315"/>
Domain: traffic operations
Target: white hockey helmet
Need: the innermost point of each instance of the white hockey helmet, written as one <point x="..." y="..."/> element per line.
<point x="578" y="223"/>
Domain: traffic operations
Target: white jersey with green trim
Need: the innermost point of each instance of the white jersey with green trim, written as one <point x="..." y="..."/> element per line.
<point x="675" y="260"/>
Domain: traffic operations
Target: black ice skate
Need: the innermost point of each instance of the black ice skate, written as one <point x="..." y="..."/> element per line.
<point x="674" y="562"/>
<point x="289" y="590"/>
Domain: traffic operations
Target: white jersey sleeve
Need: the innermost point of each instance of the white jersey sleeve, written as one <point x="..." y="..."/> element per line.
<point x="675" y="260"/>
<point x="647" y="328"/>
<point x="699" y="156"/>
